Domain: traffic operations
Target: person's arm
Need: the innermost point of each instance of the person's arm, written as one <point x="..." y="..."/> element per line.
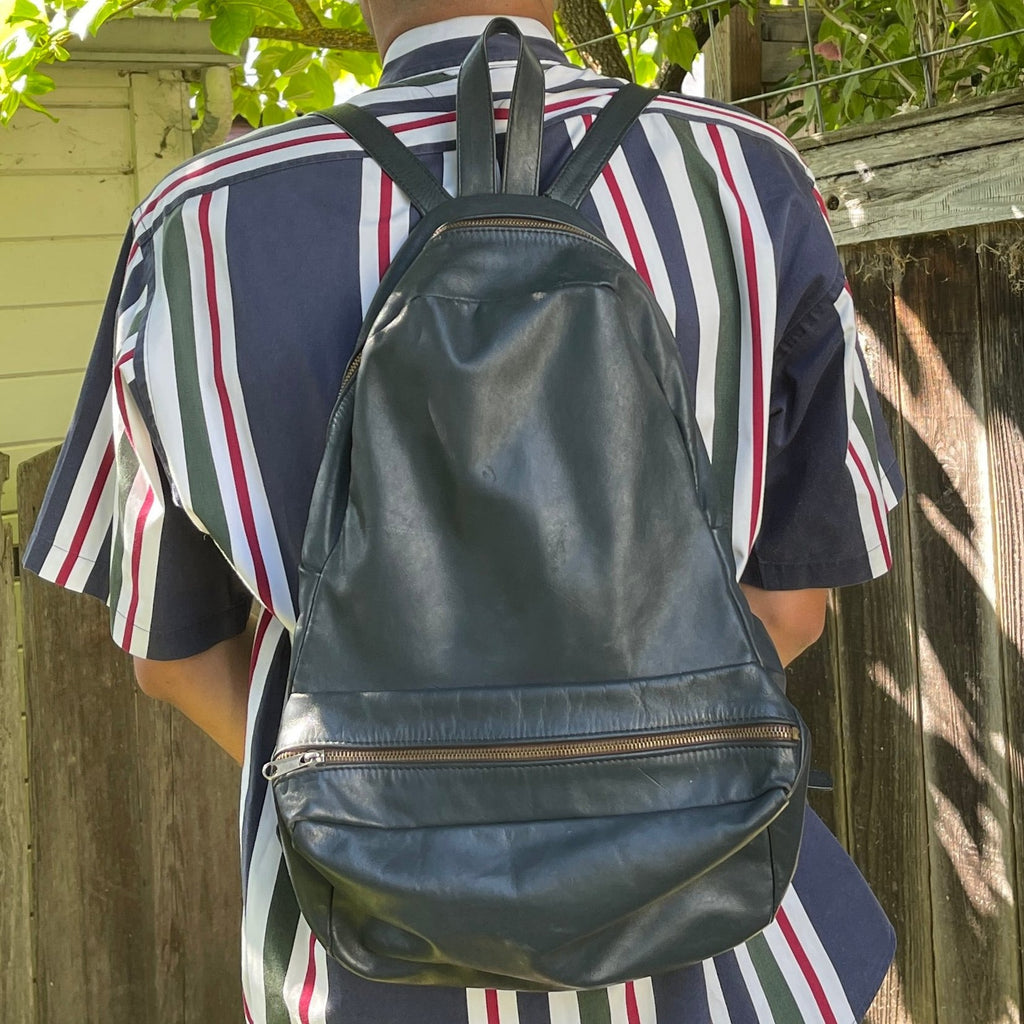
<point x="794" y="619"/>
<point x="211" y="689"/>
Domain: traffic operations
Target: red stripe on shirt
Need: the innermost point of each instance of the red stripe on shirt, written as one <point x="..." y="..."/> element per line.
<point x="500" y="113"/>
<point x="491" y="1000"/>
<point x="387" y="189"/>
<point x="632" y="1010"/>
<point x="245" y="1010"/>
<point x="140" y="529"/>
<point x="806" y="968"/>
<point x="876" y="510"/>
<point x="257" y="642"/>
<point x="756" y="364"/>
<point x="624" y="218"/>
<point x="88" y="514"/>
<point x="329" y="136"/>
<point x="733" y="116"/>
<point x="234" y="158"/>
<point x="230" y="430"/>
<point x="309" y="984"/>
<point x="119" y="392"/>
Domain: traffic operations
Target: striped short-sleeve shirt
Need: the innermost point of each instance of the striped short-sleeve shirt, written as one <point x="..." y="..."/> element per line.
<point x="182" y="491"/>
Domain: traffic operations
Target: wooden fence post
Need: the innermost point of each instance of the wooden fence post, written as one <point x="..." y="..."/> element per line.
<point x="136" y="882"/>
<point x="17" y="993"/>
<point x="732" y="59"/>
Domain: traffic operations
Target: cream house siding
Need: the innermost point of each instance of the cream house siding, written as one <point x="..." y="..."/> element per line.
<point x="66" y="192"/>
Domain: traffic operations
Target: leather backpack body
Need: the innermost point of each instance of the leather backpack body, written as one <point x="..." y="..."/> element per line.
<point x="534" y="738"/>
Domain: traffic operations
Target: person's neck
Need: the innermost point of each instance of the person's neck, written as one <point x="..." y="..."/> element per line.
<point x="392" y="21"/>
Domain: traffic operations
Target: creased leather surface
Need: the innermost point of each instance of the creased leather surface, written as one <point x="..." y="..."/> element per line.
<point x="517" y="548"/>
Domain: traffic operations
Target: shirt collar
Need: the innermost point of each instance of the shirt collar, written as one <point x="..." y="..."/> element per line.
<point x="445" y="44"/>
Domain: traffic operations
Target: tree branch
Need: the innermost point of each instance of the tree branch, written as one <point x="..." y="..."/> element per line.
<point x="584" y="20"/>
<point x="306" y="15"/>
<point x="319" y="38"/>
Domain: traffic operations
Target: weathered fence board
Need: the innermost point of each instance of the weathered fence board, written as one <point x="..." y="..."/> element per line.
<point x="136" y="865"/>
<point x="91" y="911"/>
<point x="933" y="170"/>
<point x="1002" y="345"/>
<point x="952" y="548"/>
<point x="16" y="986"/>
<point x="813" y="686"/>
<point x="887" y="827"/>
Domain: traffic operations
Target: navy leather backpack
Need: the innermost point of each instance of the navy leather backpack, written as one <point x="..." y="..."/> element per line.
<point x="534" y="738"/>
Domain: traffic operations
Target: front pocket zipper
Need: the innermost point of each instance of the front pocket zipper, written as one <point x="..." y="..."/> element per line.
<point x="539" y="752"/>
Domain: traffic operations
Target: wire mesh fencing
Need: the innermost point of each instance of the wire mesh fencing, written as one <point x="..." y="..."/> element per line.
<point x="912" y="56"/>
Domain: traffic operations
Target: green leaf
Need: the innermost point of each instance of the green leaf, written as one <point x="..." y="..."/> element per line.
<point x="679" y="43"/>
<point x="646" y="69"/>
<point x="341" y="15"/>
<point x="284" y="60"/>
<point x="363" y="67"/>
<point x="311" y="89"/>
<point x="39" y="84"/>
<point x="247" y="104"/>
<point x="27" y="101"/>
<point x="274" y="114"/>
<point x="232" y="27"/>
<point x="23" y="10"/>
<point x="321" y="86"/>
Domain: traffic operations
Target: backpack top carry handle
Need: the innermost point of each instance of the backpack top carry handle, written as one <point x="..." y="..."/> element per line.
<point x="475" y="138"/>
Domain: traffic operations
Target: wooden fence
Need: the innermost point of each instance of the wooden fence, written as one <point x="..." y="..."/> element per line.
<point x="123" y="904"/>
<point x="914" y="699"/>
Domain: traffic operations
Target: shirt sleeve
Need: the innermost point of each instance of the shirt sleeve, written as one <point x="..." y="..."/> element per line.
<point x="832" y="475"/>
<point x="109" y="525"/>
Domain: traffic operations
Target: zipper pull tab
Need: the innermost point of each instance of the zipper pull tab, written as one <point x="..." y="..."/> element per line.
<point x="288" y="763"/>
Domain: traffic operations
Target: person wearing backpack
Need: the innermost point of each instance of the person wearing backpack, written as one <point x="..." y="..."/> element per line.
<point x="188" y="484"/>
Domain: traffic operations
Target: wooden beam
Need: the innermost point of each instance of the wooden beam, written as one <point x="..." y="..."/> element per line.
<point x="783" y="32"/>
<point x="1001" y="272"/>
<point x="879" y="695"/>
<point x="954" y="571"/>
<point x="17" y="990"/>
<point x="732" y="59"/>
<point x="149" y="43"/>
<point x="929" y="171"/>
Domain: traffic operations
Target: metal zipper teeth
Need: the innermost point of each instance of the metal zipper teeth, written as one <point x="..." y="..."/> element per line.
<point x="353" y="369"/>
<point x="521" y="222"/>
<point x="544" y="751"/>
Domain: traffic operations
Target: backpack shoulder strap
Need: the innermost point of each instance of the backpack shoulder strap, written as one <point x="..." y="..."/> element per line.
<point x="581" y="170"/>
<point x="404" y="168"/>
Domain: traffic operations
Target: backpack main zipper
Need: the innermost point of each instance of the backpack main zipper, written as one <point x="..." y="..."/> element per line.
<point x="488" y="222"/>
<point x="540" y="224"/>
<point x="537" y="752"/>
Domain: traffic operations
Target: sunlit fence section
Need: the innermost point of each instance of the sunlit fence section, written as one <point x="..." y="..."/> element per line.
<point x="915" y="697"/>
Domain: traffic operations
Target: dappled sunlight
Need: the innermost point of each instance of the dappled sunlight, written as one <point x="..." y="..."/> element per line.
<point x="981" y="868"/>
<point x="940" y="685"/>
<point x="944" y="716"/>
<point x="892" y="1004"/>
<point x="905" y="699"/>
